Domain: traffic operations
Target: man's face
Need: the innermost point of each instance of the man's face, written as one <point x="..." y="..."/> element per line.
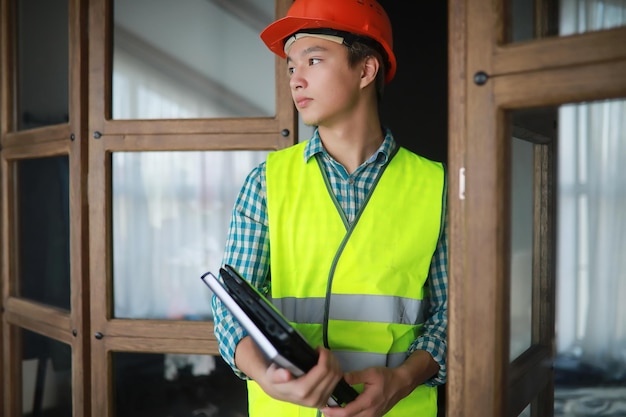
<point x="324" y="87"/>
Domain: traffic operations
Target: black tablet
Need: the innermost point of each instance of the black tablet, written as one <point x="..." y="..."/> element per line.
<point x="279" y="341"/>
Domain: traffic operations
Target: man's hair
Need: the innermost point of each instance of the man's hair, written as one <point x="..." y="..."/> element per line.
<point x="358" y="52"/>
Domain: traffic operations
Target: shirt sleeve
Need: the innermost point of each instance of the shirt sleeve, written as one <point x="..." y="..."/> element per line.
<point x="434" y="332"/>
<point x="247" y="250"/>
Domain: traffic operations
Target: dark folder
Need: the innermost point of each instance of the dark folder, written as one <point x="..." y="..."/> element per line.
<point x="279" y="341"/>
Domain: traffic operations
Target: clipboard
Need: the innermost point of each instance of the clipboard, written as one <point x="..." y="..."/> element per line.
<point x="274" y="335"/>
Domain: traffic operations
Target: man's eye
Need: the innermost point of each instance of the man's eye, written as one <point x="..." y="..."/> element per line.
<point x="313" y="61"/>
<point x="290" y="70"/>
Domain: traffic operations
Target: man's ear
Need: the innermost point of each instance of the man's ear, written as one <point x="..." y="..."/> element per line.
<point x="370" y="69"/>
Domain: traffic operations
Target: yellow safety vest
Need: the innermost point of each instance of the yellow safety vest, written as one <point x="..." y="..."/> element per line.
<point x="354" y="288"/>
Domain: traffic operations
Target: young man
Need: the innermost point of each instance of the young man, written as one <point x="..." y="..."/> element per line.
<point x="346" y="231"/>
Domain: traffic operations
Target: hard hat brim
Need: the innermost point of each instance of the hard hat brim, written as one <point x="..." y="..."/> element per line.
<point x="275" y="34"/>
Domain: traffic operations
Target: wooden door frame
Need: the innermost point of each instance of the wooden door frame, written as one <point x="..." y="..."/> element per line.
<point x="70" y="328"/>
<point x="487" y="80"/>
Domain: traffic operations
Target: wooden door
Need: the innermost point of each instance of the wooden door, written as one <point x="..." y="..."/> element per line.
<point x="129" y="345"/>
<point x="494" y="84"/>
<point x="61" y="137"/>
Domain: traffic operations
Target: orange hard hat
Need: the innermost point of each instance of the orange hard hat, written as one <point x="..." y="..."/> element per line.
<point x="365" y="18"/>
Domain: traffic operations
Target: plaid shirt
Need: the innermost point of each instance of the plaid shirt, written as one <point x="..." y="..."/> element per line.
<point x="247" y="249"/>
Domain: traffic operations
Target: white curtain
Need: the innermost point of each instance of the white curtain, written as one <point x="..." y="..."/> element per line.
<point x="170" y="210"/>
<point x="591" y="258"/>
<point x="170" y="217"/>
<point x="592" y="234"/>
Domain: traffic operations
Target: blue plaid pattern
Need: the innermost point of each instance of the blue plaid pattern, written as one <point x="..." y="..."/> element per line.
<point x="247" y="249"/>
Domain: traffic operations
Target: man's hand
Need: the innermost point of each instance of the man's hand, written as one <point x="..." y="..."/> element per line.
<point x="312" y="389"/>
<point x="381" y="391"/>
<point x="384" y="387"/>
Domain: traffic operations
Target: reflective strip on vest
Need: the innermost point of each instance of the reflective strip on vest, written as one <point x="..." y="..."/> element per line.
<point x="353" y="307"/>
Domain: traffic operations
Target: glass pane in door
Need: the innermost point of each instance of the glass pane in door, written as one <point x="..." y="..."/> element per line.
<point x="522" y="222"/>
<point x="167" y="385"/>
<point x="580" y="16"/>
<point x="589" y="362"/>
<point x="46" y="376"/>
<point x="171" y="212"/>
<point x="532" y="152"/>
<point x="43" y="229"/>
<point x="523" y="20"/>
<point x="591" y="266"/>
<point x="42" y="63"/>
<point x="192" y="59"/>
<point x="532" y="19"/>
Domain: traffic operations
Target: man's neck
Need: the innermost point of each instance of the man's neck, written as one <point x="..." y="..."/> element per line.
<point x="352" y="147"/>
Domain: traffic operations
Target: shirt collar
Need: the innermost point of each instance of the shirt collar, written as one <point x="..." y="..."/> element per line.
<point x="387" y="148"/>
